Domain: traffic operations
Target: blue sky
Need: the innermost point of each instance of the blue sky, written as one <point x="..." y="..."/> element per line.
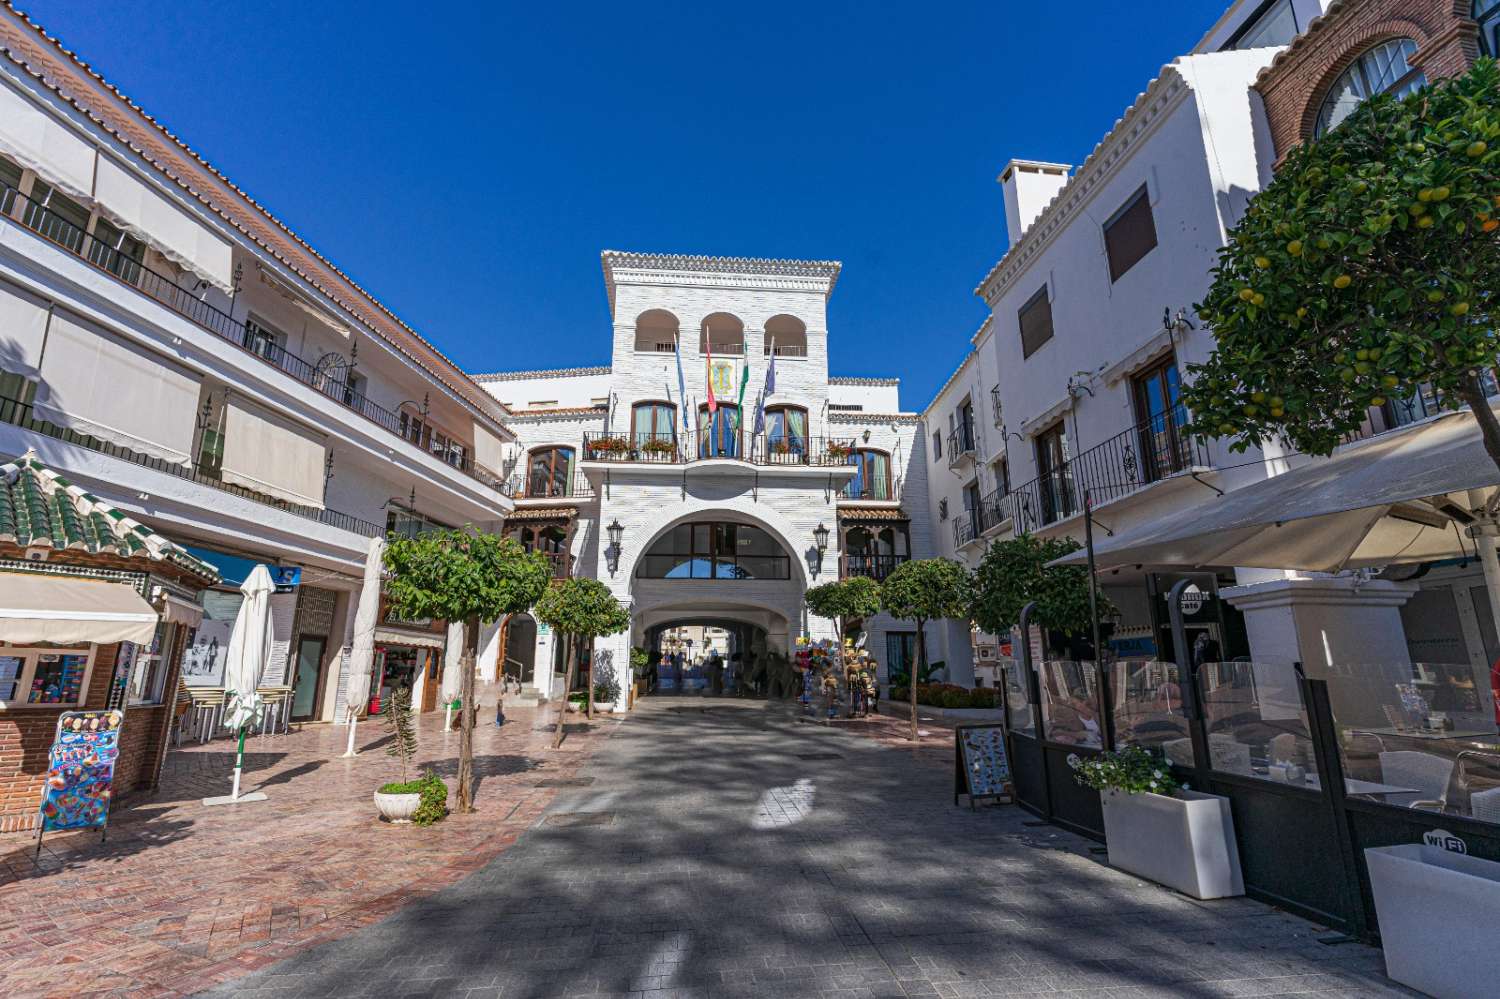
<point x="468" y="162"/>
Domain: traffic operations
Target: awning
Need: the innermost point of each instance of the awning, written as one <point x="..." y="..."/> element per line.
<point x="175" y="610"/>
<point x="420" y="639"/>
<point x="872" y="513"/>
<point x="272" y="455"/>
<point x="1401" y="497"/>
<point x="63" y="610"/>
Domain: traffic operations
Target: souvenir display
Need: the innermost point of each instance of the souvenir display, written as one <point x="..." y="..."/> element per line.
<point x="57" y="678"/>
<point x="81" y="770"/>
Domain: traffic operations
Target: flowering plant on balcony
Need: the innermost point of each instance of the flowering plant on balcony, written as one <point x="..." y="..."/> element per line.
<point x="660" y="445"/>
<point x="609" y="446"/>
<point x="839" y="451"/>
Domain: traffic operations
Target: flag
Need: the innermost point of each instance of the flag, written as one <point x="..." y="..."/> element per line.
<point x="771" y="372"/>
<point x="681" y="385"/>
<point x="713" y="404"/>
<point x="744" y="382"/>
<point x="760" y="413"/>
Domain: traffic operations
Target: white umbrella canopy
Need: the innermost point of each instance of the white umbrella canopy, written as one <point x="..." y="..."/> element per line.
<point x="249" y="646"/>
<point x="1402" y="497"/>
<point x="453" y="673"/>
<point x="366" y="617"/>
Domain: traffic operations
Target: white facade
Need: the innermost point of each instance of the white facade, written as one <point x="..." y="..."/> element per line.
<point x="782" y="481"/>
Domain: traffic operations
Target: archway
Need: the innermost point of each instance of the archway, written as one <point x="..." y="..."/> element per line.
<point x="518" y="649"/>
<point x="706" y="656"/>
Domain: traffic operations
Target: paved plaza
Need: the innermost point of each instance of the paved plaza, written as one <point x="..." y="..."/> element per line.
<point x="723" y="848"/>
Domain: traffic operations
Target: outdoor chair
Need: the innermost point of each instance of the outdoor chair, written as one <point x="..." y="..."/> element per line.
<point x="1427" y="773"/>
<point x="1284" y="748"/>
<point x="1485" y="805"/>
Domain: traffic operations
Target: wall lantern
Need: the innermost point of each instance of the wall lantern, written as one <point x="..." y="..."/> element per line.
<point x="616" y="532"/>
<point x="612" y="552"/>
<point x="820" y="536"/>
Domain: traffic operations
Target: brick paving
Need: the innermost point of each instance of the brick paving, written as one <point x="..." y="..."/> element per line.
<point x="182" y="896"/>
<point x="728" y="849"/>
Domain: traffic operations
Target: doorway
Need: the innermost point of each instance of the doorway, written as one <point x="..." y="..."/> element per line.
<point x="307" y="682"/>
<point x="518" y="649"/>
<point x="434" y="667"/>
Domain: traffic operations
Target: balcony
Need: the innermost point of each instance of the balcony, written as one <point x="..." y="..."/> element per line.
<point x="562" y="564"/>
<point x="1148" y="452"/>
<point x="166" y="292"/>
<point x="693" y="446"/>
<point x="960" y="446"/>
<point x="541" y="487"/>
<point x="19" y="414"/>
<point x="787" y="350"/>
<point x="965" y="530"/>
<point x="876" y="567"/>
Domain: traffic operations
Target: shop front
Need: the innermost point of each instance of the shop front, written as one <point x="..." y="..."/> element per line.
<point x="408" y="653"/>
<point x="95" y="612"/>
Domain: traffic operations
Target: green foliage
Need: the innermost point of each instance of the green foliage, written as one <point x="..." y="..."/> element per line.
<point x="639" y="660"/>
<point x="398" y="718"/>
<point x="1133" y="769"/>
<point x="845" y="599"/>
<point x="434" y="792"/>
<point x="583" y="608"/>
<point x="1368" y="267"/>
<point x="948" y="695"/>
<point x="927" y="589"/>
<point x="461" y="574"/>
<point x="1013" y="573"/>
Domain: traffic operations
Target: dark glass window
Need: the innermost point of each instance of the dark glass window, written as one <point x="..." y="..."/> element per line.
<point x="550" y="472"/>
<point x="1274" y="25"/>
<point x="1036" y="322"/>
<point x="653" y="421"/>
<point x="715" y="550"/>
<point x="937" y="443"/>
<point x="1487" y="13"/>
<point x="1130" y="235"/>
<point x="872" y="478"/>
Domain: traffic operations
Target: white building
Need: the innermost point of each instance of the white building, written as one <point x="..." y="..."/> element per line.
<point x="172" y="347"/>
<point x="717" y="521"/>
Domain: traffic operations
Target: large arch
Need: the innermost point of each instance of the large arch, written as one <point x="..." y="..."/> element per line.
<point x="739" y="509"/>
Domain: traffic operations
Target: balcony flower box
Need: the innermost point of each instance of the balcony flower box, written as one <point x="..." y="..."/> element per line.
<point x="840" y="452"/>
<point x="1437" y="912"/>
<point x="659" y="446"/>
<point x="608" y="447"/>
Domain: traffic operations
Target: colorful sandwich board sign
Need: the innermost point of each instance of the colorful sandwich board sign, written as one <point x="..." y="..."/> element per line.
<point x="981" y="768"/>
<point x="81" y="771"/>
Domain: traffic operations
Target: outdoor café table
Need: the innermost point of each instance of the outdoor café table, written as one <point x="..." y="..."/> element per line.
<point x="1353" y="785"/>
<point x="1425" y="734"/>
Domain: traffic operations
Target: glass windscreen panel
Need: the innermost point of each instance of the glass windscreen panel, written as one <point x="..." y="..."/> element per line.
<point x="1257" y="722"/>
<point x="1019" y="719"/>
<point x="1148" y="708"/>
<point x="1070" y="703"/>
<point x="1420" y="735"/>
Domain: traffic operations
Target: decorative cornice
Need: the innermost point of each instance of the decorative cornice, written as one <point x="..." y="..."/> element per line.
<point x="845" y="416"/>
<point x="623" y="267"/>
<point x="562" y="413"/>
<point x="1150" y="108"/>
<point x="868" y="382"/>
<point x="43" y="57"/>
<point x="523" y="376"/>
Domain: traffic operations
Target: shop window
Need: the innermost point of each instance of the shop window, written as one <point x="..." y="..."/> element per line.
<point x="715" y="550"/>
<point x="1036" y="322"/>
<point x="1130" y="234"/>
<point x="1384" y="69"/>
<point x="149" y="673"/>
<point x="55" y="676"/>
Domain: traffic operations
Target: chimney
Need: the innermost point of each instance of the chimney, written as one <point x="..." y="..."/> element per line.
<point x="1030" y="186"/>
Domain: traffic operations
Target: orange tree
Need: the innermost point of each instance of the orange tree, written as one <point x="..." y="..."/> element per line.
<point x="1369" y="267"/>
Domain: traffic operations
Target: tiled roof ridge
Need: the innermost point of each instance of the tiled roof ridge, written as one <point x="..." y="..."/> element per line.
<point x="126" y="534"/>
<point x="521" y="376"/>
<point x="1304" y="37"/>
<point x="479" y="399"/>
<point x="595" y="410"/>
<point x="697" y="262"/>
<point x="861" y="380"/>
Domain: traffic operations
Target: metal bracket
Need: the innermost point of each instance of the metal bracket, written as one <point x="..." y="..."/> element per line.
<point x="684" y="482"/>
<point x="755" y="488"/>
<point x="1210" y="485"/>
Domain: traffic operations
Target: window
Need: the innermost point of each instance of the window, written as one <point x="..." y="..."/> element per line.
<point x="900" y="655"/>
<point x="719" y="432"/>
<point x="1036" y="322"/>
<point x="549" y="472"/>
<point x="656" y="332"/>
<point x="872" y="478"/>
<point x="845" y="407"/>
<point x="875" y="552"/>
<point x="1054" y="477"/>
<point x="724" y="332"/>
<point x="966" y="425"/>
<point x="943" y="508"/>
<point x="1002" y="477"/>
<point x="10" y="176"/>
<point x="57" y="217"/>
<point x="50" y="676"/>
<point x="1130" y="234"/>
<point x="149" y="674"/>
<point x="937" y="443"/>
<point x="786" y="432"/>
<point x="1385" y="69"/>
<point x="653" y="421"/>
<point x="971" y="503"/>
<point x="786" y="336"/>
<point x="410" y="524"/>
<point x="1159" y="413"/>
<point x="1274" y="25"/>
<point x="1487" y="13"/>
<point x="551" y="541"/>
<point x="414" y="428"/>
<point x="117" y="251"/>
<point x="715" y="550"/>
<point x="263" y="340"/>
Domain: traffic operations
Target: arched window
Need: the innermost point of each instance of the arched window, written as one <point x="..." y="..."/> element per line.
<point x="549" y="472"/>
<point x="715" y="550"/>
<point x="872" y="478"/>
<point x="656" y="331"/>
<point x="1487" y="13"/>
<point x="1385" y="69"/>
<point x="787" y="336"/>
<point x="727" y="332"/>
<point x="653" y="423"/>
<point x="719" y="432"/>
<point x="786" y="433"/>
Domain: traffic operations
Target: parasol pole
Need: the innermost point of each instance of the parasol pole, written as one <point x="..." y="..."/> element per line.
<point x="239" y="765"/>
<point x="349" y="751"/>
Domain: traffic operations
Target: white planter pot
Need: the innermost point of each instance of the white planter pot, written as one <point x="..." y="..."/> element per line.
<point x="1184" y="842"/>
<point x="397" y="807"/>
<point x="1438" y="911"/>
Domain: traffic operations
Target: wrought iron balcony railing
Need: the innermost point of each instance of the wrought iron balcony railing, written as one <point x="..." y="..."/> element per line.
<point x="167" y="292"/>
<point x="877" y="567"/>
<point x="965" y="530"/>
<point x="690" y="446"/>
<point x="960" y="446"/>
<point x="574" y="486"/>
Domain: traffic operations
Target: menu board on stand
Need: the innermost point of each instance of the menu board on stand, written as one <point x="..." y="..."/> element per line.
<point x="980" y="767"/>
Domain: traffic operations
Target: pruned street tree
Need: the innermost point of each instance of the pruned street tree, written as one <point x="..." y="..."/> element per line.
<point x="921" y="591"/>
<point x="463" y="575"/>
<point x="579" y="610"/>
<point x="1014" y="572"/>
<point x="844" y="601"/>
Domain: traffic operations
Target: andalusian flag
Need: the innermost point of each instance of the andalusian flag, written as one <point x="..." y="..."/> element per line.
<point x="708" y="370"/>
<point x="744" y="381"/>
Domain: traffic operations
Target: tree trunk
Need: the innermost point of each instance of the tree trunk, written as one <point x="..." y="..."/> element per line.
<point x="562" y="714"/>
<point x="1472" y="393"/>
<point x="466" y="728"/>
<point x="589" y="714"/>
<point x="916" y="671"/>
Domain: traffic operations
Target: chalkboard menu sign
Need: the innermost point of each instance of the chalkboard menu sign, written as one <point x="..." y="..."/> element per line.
<point x="981" y="768"/>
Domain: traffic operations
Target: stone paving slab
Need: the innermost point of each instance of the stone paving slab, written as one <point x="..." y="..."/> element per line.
<point x="182" y="896"/>
<point x="731" y="867"/>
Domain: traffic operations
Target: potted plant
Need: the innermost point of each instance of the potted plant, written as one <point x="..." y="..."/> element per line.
<point x="608" y="447"/>
<point x="839" y="451"/>
<point x="1160" y="830"/>
<point x="395" y="802"/>
<point x="660" y="445"/>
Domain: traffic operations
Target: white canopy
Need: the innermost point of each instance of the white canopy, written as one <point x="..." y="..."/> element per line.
<point x="150" y="215"/>
<point x="249" y="646"/>
<point x="366" y="616"/>
<point x="1400" y="497"/>
<point x="59" y="609"/>
<point x="453" y="670"/>
<point x="271" y="454"/>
